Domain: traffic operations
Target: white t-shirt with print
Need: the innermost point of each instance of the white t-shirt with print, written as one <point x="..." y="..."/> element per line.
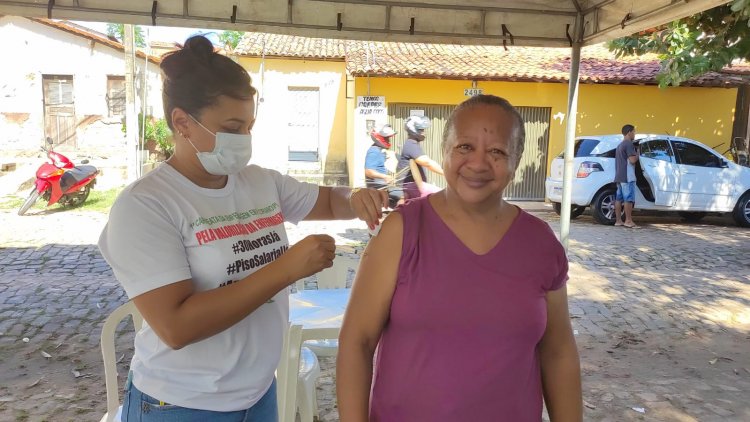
<point x="163" y="229"/>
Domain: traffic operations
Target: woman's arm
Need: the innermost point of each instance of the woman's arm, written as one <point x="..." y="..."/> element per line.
<point x="180" y="316"/>
<point x="561" y="369"/>
<point x="342" y="203"/>
<point x="365" y="317"/>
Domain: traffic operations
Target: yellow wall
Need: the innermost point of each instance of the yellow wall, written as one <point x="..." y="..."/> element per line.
<point x="270" y="145"/>
<point x="704" y="114"/>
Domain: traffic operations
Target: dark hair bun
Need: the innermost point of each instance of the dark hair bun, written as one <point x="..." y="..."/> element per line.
<point x="200" y="47"/>
<point x="197" y="52"/>
<point x="195" y="77"/>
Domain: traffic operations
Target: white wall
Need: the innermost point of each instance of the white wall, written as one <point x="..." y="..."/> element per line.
<point x="270" y="135"/>
<point x="33" y="49"/>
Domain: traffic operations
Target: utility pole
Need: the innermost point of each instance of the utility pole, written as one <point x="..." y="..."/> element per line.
<point x="131" y="117"/>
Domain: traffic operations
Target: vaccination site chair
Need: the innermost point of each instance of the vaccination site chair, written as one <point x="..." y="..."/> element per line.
<point x="114" y="409"/>
<point x="296" y="387"/>
<point x="305" y="360"/>
<point x="334" y="277"/>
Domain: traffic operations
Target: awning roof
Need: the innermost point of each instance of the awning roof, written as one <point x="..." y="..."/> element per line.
<point x="518" y="22"/>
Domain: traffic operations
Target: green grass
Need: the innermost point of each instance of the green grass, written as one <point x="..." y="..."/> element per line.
<point x="98" y="200"/>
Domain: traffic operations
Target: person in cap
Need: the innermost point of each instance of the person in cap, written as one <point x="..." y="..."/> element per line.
<point x="415" y="127"/>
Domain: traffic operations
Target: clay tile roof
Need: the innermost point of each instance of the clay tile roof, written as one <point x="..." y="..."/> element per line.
<point x="258" y="44"/>
<point x="91" y="35"/>
<point x="598" y="64"/>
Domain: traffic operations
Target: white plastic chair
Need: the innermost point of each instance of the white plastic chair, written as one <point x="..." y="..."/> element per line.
<point x="336" y="276"/>
<point x="114" y="409"/>
<point x="304" y="360"/>
<point x="296" y="388"/>
<point x="307" y="398"/>
<point x="308" y="403"/>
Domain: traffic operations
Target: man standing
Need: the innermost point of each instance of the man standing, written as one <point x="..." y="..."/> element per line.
<point x="626" y="156"/>
<point x="376" y="173"/>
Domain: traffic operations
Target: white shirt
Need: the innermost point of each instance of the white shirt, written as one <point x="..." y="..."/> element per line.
<point x="631" y="171"/>
<point x="163" y="229"/>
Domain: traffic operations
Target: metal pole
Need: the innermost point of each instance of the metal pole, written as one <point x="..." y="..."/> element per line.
<point x="131" y="118"/>
<point x="144" y="108"/>
<point x="570" y="133"/>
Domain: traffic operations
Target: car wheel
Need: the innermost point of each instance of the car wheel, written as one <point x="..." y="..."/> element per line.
<point x="742" y="211"/>
<point x="575" y="210"/>
<point x="692" y="217"/>
<point x="603" y="206"/>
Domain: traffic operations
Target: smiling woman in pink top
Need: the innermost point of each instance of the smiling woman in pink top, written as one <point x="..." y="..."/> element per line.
<point x="464" y="296"/>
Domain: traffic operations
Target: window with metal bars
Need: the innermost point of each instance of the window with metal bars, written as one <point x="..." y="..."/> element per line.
<point x="115" y="95"/>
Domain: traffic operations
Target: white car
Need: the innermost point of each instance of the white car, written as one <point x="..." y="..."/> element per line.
<point x="673" y="174"/>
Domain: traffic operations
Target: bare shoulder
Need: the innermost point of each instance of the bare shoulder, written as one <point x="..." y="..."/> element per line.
<point x="389" y="238"/>
<point x="393" y="221"/>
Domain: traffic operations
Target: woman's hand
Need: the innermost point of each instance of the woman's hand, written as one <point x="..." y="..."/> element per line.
<point x="309" y="256"/>
<point x="368" y="205"/>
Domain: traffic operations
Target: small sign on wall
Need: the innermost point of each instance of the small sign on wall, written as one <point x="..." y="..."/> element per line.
<point x="371" y="105"/>
<point x="470" y="92"/>
<point x="419" y="113"/>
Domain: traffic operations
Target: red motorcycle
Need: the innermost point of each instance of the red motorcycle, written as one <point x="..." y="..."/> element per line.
<point x="59" y="181"/>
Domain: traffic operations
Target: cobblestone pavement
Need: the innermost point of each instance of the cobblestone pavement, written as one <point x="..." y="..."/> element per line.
<point x="662" y="317"/>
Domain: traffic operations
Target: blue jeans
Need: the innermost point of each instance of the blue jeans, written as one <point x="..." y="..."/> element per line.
<point x="625" y="192"/>
<point x="140" y="407"/>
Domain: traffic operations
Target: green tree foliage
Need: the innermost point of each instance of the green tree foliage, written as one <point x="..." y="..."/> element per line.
<point x="230" y="39"/>
<point x="690" y="47"/>
<point x="117" y="30"/>
<point x="158" y="131"/>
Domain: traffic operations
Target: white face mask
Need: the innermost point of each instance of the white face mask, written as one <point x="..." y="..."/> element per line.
<point x="230" y="155"/>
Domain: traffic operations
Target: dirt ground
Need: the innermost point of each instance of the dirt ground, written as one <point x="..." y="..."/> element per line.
<point x="682" y="370"/>
<point x="68" y="386"/>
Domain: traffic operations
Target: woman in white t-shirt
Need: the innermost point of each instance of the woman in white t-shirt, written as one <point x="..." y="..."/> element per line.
<point x="199" y="246"/>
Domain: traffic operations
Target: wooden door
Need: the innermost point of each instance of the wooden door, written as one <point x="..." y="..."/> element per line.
<point x="59" y="109"/>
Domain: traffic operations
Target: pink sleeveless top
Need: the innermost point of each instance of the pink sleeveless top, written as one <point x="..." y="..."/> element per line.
<point x="461" y="340"/>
